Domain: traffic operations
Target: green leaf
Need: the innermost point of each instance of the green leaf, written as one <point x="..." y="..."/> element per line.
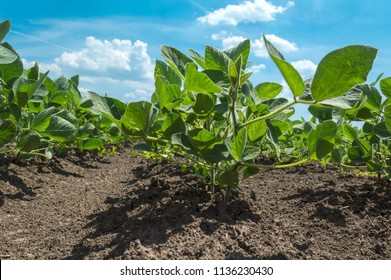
<point x="60" y="98"/>
<point x="7" y="132"/>
<point x="216" y="60"/>
<point x="385" y="87"/>
<point x="387" y="116"/>
<point x="219" y="153"/>
<point x="198" y="58"/>
<point x="168" y="95"/>
<point x="275" y="104"/>
<point x="250" y="171"/>
<point x="341" y="70"/>
<point x="163" y="70"/>
<point x="42" y="120"/>
<point x="220" y="79"/>
<point x="244" y="77"/>
<point x="7" y="56"/>
<point x="272" y="137"/>
<point x="268" y="90"/>
<point x="257" y="130"/>
<point x="85" y="130"/>
<point x="233" y="73"/>
<point x="75" y="80"/>
<point x="290" y="74"/>
<point x="24" y="89"/>
<point x="33" y="72"/>
<point x="59" y="129"/>
<point x="141" y="147"/>
<point x="110" y="107"/>
<point x="4" y="29"/>
<point x="139" y="116"/>
<point x="176" y="59"/>
<point x="346" y="101"/>
<point x="35" y="106"/>
<point x="68" y="116"/>
<point x="198" y="81"/>
<point x="204" y="104"/>
<point x="239" y="145"/>
<point x="251" y="153"/>
<point x="50" y="85"/>
<point x="280" y="126"/>
<point x="367" y="128"/>
<point x="349" y="132"/>
<point x="29" y="141"/>
<point x="91" y="144"/>
<point x="201" y="138"/>
<point x="173" y="124"/>
<point x="182" y="140"/>
<point x="21" y="89"/>
<point x="243" y="49"/>
<point x="229" y="178"/>
<point x="374" y="98"/>
<point x="381" y="131"/>
<point x="13" y="70"/>
<point x="321" y="139"/>
<point x="321" y="113"/>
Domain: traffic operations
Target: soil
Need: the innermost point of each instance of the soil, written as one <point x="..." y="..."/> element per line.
<point x="85" y="206"/>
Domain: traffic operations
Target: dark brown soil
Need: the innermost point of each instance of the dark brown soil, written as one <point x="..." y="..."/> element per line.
<point x="123" y="207"/>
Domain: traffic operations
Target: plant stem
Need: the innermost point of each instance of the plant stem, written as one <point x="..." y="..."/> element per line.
<point x="213" y="179"/>
<point x="233" y="96"/>
<point x="270" y="115"/>
<point x="353" y="167"/>
<point x="155" y="139"/>
<point x="227" y="194"/>
<point x="276" y="112"/>
<point x="281" y="166"/>
<point x="7" y="151"/>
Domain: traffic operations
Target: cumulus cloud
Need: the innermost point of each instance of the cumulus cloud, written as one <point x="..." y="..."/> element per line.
<point x="96" y="80"/>
<point x="138" y="94"/>
<point x="104" y="55"/>
<point x="256" y="68"/>
<point x="248" y="11"/>
<point x="228" y="41"/>
<point x="258" y="45"/>
<point x="120" y="68"/>
<point x="305" y="67"/>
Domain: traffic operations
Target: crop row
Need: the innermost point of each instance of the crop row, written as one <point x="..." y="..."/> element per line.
<point x="206" y="114"/>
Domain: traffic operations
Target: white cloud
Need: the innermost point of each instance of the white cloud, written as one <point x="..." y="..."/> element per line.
<point x="105" y="67"/>
<point x="248" y="11"/>
<point x="150" y="86"/>
<point x="256" y="68"/>
<point x="305" y="67"/>
<point x="96" y="80"/>
<point x="104" y="55"/>
<point x="258" y="45"/>
<point x="138" y="94"/>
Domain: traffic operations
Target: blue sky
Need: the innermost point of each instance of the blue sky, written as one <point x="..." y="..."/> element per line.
<point x="113" y="45"/>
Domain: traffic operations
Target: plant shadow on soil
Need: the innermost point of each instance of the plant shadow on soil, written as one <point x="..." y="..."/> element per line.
<point x="23" y="191"/>
<point x="154" y="211"/>
<point x="87" y="207"/>
<point x="361" y="199"/>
